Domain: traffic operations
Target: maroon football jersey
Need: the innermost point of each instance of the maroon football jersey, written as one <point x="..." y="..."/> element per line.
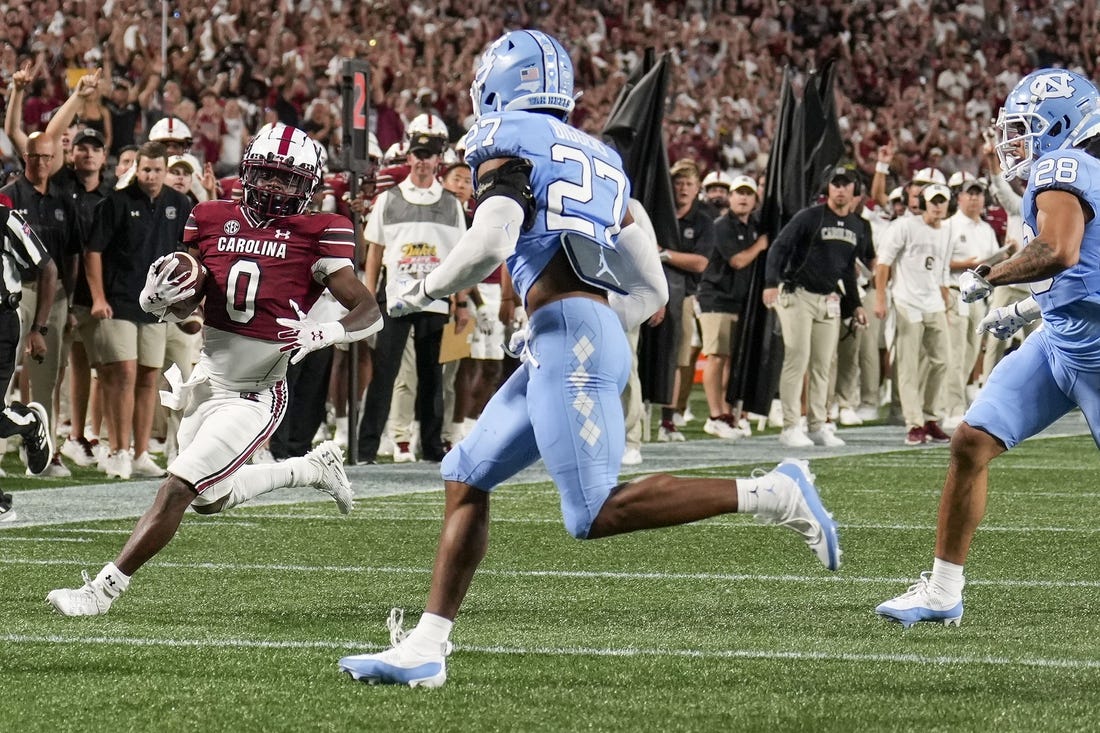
<point x="255" y="271"/>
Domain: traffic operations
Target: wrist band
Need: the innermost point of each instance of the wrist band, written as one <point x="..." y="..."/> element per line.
<point x="882" y="168"/>
<point x="461" y="303"/>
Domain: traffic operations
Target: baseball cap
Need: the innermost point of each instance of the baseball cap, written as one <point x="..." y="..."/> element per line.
<point x="898" y="194"/>
<point x="91" y="136"/>
<point x="744" y="182"/>
<point x="934" y="190"/>
<point x="842" y="171"/>
<point x="185" y="160"/>
<point x="684" y="167"/>
<point x="434" y="144"/>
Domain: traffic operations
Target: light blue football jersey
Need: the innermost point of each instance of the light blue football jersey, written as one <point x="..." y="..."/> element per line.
<point x="578" y="182"/>
<point x="1071" y="299"/>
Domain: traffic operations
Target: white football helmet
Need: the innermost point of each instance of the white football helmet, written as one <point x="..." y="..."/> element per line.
<point x="171" y="130"/>
<point x="718" y="178"/>
<point x="395" y="154"/>
<point x="280" y="171"/>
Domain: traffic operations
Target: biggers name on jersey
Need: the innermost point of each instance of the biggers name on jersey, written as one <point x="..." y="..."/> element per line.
<point x="264" y="247"/>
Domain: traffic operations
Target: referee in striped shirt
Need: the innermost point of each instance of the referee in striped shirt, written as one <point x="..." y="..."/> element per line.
<point x="21" y="251"/>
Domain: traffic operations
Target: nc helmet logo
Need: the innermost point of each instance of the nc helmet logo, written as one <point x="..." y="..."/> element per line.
<point x="1055" y="85"/>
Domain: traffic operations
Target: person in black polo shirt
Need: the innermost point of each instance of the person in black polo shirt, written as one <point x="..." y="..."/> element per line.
<point x="813" y="257"/>
<point x="723" y="289"/>
<point x="133" y="226"/>
<point x="20" y="251"/>
<point x="85" y="182"/>
<point x="48" y="208"/>
<point x="683" y="264"/>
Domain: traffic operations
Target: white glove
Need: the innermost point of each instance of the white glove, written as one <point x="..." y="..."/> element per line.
<point x="307" y="335"/>
<point x="973" y="285"/>
<point x="517" y="344"/>
<point x="412" y="299"/>
<point x="486" y="318"/>
<point x="1004" y="321"/>
<point x="161" y="290"/>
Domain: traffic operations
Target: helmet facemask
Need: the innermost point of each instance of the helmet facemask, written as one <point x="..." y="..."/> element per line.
<point x="272" y="189"/>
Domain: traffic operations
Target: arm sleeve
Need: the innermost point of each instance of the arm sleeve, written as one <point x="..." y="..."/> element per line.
<point x="780" y="251"/>
<point x="1005" y="196"/>
<point x="490" y="239"/>
<point x="646" y="285"/>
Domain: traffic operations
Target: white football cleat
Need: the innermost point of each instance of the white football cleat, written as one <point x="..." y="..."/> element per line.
<point x="921" y="603"/>
<point x="94" y="598"/>
<point x="798" y="507"/>
<point x="332" y="479"/>
<point x="401" y="664"/>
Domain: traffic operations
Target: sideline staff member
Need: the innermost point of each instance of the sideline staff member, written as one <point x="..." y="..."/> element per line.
<point x="814" y="259"/>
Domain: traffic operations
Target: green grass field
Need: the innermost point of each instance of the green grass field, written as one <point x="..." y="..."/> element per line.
<point x="722" y="625"/>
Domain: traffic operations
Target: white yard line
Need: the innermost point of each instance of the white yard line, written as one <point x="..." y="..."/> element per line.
<point x="575" y="574"/>
<point x="764" y="654"/>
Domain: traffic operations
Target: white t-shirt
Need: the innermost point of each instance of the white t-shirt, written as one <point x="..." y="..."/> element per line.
<point x="418" y="227"/>
<point x="920" y="257"/>
<point x="969" y="239"/>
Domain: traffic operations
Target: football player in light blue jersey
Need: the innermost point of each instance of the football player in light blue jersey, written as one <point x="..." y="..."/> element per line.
<point x="554" y="203"/>
<point x="1048" y="131"/>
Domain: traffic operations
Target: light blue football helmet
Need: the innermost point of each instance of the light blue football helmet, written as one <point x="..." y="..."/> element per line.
<point x="1049" y="109"/>
<point x="524" y="70"/>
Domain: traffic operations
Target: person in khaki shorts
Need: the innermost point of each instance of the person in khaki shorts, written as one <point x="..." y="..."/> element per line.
<point x="683" y="263"/>
<point x="133" y="227"/>
<point x="723" y="289"/>
<point x="814" y="258"/>
<point x="916" y="257"/>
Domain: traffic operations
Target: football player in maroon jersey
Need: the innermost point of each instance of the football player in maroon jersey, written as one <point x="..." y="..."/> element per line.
<point x="267" y="261"/>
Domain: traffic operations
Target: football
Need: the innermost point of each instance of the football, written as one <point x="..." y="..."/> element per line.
<point x="188" y="272"/>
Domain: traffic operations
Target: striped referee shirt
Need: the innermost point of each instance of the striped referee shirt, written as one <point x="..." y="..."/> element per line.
<point x="22" y="251"/>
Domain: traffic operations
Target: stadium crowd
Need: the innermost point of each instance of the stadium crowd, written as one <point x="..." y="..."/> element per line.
<point x="918" y="84"/>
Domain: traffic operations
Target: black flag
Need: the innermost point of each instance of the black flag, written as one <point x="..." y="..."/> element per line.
<point x="634" y="128"/>
<point x="807" y="142"/>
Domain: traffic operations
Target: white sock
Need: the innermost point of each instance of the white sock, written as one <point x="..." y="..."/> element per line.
<point x="758" y="495"/>
<point x="947" y="578"/>
<point x="112" y="580"/>
<point x="253" y="480"/>
<point x="431" y="633"/>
